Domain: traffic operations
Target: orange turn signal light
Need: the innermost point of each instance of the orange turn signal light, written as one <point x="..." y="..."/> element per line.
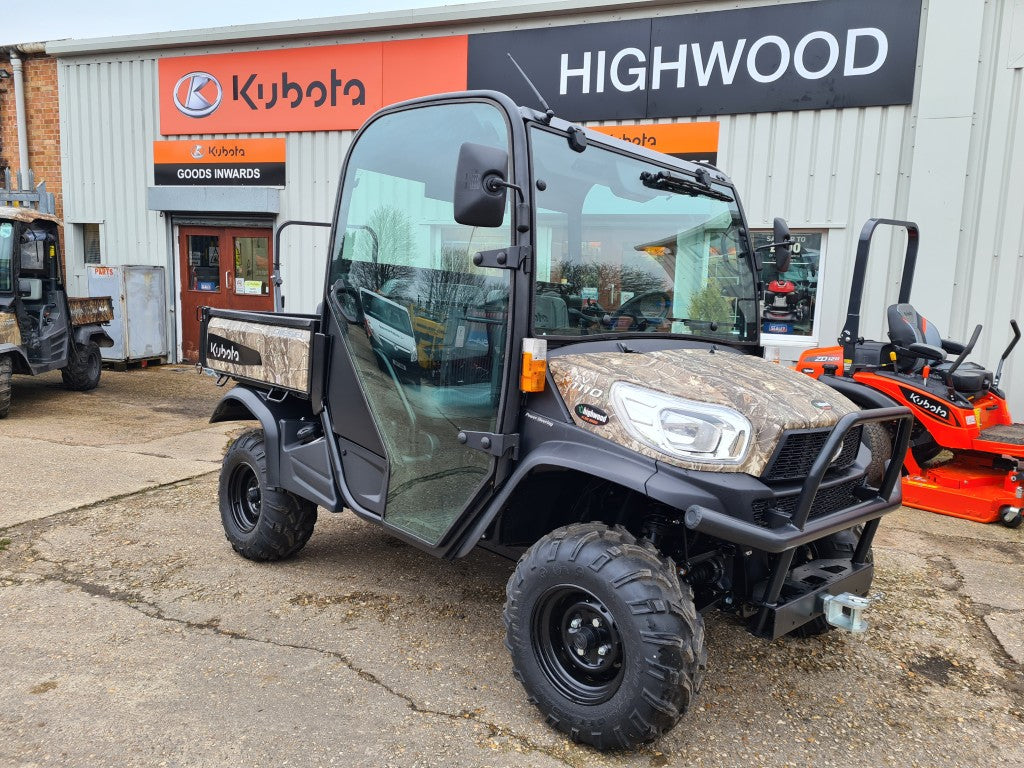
<point x="535" y="365"/>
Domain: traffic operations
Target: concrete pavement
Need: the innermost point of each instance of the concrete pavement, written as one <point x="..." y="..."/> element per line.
<point x="131" y="634"/>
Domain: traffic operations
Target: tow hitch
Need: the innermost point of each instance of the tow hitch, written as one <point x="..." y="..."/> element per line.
<point x="846" y="611"/>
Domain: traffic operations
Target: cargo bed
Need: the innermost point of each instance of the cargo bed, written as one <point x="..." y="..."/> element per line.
<point x="265" y="349"/>
<point x="90" y="311"/>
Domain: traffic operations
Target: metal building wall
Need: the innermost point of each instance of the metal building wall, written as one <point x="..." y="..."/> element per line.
<point x="954" y="160"/>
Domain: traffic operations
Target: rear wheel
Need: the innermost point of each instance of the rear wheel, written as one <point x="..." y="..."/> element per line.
<point x="82" y="372"/>
<point x="260" y="523"/>
<point x="604" y="637"/>
<point x="6" y="369"/>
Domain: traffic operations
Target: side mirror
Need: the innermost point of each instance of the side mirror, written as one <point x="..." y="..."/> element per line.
<point x="783" y="245"/>
<point x="480" y="191"/>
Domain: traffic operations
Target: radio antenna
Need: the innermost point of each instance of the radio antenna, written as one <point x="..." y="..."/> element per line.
<point x="548" y="111"/>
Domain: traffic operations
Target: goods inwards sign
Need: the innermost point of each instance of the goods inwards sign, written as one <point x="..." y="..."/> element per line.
<point x="215" y="162"/>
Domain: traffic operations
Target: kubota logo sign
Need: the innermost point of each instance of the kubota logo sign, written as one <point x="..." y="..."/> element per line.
<point x="325" y="88"/>
<point x="197" y="94"/>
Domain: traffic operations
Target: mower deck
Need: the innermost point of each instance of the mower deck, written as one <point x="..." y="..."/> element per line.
<point x="967" y="487"/>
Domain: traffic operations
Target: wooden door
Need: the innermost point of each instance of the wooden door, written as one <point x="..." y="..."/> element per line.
<point x="223" y="267"/>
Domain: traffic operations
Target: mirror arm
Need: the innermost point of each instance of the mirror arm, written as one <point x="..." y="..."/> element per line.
<point x="493" y="184"/>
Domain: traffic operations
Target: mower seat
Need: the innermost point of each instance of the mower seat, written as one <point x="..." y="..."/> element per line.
<point x="907" y="326"/>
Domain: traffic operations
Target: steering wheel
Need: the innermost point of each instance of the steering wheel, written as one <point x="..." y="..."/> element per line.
<point x="638" y="309"/>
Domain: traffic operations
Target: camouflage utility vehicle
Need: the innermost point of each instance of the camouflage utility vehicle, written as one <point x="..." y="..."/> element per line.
<point x="588" y="397"/>
<point x="42" y="328"/>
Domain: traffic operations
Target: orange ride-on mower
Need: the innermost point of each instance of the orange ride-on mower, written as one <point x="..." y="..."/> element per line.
<point x="958" y="407"/>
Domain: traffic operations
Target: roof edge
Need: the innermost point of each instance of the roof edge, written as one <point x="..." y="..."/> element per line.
<point x="335" y="25"/>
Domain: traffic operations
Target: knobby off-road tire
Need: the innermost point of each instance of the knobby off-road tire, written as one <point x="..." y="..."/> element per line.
<point x="261" y="523"/>
<point x="586" y="587"/>
<point x="82" y="372"/>
<point x="838" y="545"/>
<point x="6" y="370"/>
<point x="879" y="441"/>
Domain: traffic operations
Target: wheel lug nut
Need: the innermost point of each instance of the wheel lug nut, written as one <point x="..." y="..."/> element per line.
<point x="575" y="623"/>
<point x="603" y="650"/>
<point x="596" y="623"/>
<point x="580" y="652"/>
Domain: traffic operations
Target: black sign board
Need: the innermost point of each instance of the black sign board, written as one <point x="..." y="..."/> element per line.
<point x="828" y="54"/>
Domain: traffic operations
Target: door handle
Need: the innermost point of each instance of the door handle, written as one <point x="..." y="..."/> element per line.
<point x="227" y="282"/>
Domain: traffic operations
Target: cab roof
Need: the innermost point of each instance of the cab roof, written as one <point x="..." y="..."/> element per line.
<point x="26" y="215"/>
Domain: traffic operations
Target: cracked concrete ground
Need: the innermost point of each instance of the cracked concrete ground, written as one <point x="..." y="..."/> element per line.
<point x="131" y="634"/>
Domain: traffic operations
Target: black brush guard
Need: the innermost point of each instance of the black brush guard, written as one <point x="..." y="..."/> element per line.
<point x="775" y="616"/>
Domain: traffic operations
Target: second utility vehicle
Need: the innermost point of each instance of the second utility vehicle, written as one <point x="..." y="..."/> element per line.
<point x="41" y="327"/>
<point x="602" y="409"/>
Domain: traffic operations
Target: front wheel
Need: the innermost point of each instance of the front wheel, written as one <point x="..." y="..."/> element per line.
<point x="261" y="523"/>
<point x="604" y="637"/>
<point x="82" y="372"/>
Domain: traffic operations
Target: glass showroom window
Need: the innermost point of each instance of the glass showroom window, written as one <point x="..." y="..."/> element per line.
<point x="789" y="309"/>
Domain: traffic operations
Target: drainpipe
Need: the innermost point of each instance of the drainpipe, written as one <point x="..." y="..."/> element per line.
<point x="19" y="109"/>
<point x="19" y="106"/>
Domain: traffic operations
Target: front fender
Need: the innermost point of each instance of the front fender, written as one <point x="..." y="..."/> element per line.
<point x="18" y="360"/>
<point x="244" y="404"/>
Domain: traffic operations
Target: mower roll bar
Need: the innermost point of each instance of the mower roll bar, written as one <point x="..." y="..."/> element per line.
<point x="851" y="331"/>
<point x="1006" y="353"/>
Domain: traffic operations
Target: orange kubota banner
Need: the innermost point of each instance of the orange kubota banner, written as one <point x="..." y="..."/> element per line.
<point x="688" y="141"/>
<point x="325" y="88"/>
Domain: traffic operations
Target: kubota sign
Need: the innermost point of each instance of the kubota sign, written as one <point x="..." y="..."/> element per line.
<point x="324" y="88"/>
<point x="827" y="54"/>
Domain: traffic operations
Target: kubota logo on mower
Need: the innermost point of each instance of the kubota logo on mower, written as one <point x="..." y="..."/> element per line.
<point x="927" y="405"/>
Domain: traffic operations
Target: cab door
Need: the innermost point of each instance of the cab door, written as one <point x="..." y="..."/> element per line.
<point x="419" y="332"/>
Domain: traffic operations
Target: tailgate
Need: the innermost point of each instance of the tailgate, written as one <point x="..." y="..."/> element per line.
<point x="91" y="311"/>
<point x="262" y="348"/>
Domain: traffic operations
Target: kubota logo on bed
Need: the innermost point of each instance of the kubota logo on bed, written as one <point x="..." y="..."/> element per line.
<point x="228" y="351"/>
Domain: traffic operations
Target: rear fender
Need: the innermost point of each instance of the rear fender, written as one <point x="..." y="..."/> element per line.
<point x="18" y="360"/>
<point x="244" y="404"/>
<point x="93" y="332"/>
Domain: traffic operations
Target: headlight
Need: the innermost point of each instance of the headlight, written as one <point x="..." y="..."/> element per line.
<point x="682" y="428"/>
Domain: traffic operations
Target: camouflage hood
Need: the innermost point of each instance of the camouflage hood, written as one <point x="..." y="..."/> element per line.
<point x="773" y="397"/>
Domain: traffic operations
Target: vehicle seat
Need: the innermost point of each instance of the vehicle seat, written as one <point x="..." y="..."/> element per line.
<point x="550" y="313"/>
<point x="907" y="326"/>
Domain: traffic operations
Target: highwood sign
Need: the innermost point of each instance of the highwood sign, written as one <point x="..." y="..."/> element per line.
<point x="324" y="88"/>
<point x="212" y="162"/>
<point x="828" y="54"/>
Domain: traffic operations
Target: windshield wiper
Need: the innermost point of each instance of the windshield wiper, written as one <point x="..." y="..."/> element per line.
<point x="669" y="182"/>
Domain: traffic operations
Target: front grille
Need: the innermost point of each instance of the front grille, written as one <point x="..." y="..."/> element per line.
<point x="826" y="501"/>
<point x="797" y="451"/>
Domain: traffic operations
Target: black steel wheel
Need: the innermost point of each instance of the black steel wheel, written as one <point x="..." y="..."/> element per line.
<point x="578" y="645"/>
<point x="245" y="497"/>
<point x="261" y="523"/>
<point x="604" y="637"/>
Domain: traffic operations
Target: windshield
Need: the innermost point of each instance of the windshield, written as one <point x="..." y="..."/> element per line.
<point x="6" y="260"/>
<point x="618" y="253"/>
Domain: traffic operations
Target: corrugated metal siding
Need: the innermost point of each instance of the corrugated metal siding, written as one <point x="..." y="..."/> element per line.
<point x="823" y="169"/>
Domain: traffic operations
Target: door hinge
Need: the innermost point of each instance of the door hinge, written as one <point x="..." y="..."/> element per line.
<point x="490" y="442"/>
<point x="503" y="258"/>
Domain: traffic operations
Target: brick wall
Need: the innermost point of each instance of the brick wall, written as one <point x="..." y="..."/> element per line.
<point x="41" y="106"/>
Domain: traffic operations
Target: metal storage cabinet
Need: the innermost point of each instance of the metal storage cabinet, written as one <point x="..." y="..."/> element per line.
<point x="140" y="310"/>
